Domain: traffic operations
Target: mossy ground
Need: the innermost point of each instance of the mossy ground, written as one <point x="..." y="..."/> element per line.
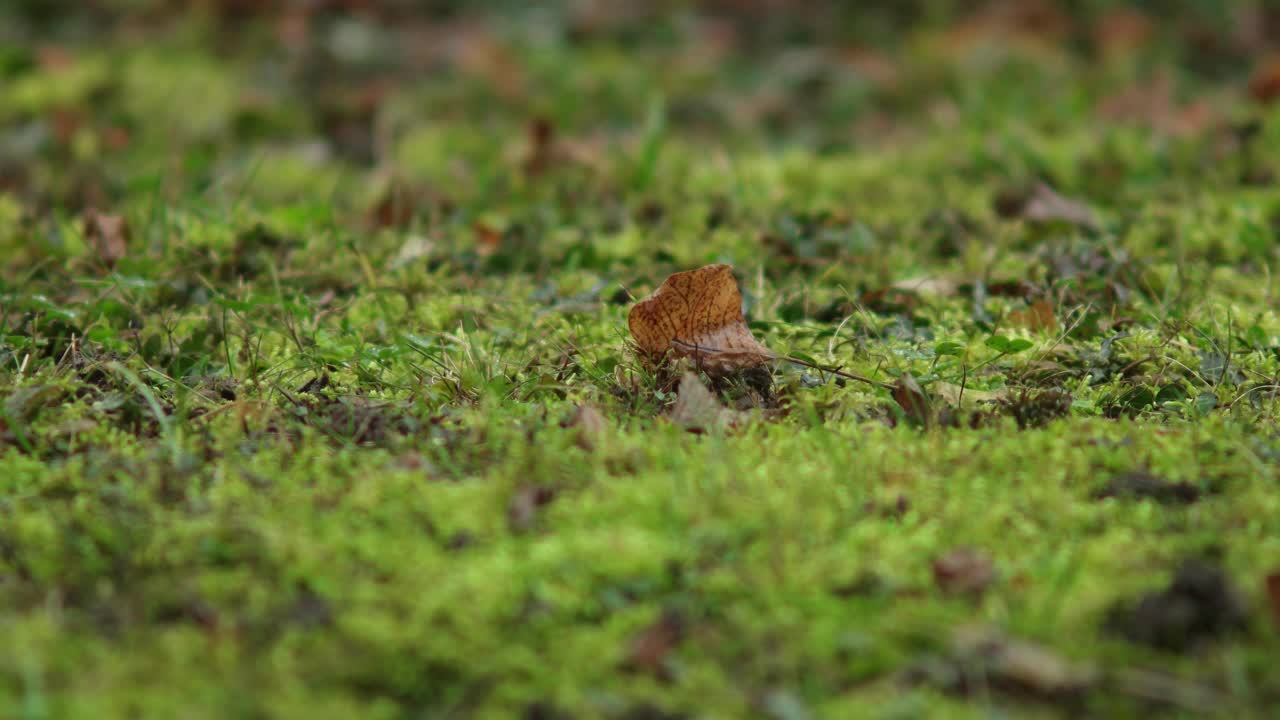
<point x="308" y="450"/>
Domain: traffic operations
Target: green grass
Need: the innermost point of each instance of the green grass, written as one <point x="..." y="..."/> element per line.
<point x="308" y="449"/>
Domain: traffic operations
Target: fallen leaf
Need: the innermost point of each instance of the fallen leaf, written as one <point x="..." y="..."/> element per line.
<point x="913" y="400"/>
<point x="108" y="235"/>
<point x="522" y="511"/>
<point x="963" y="571"/>
<point x="1020" y="666"/>
<point x="1273" y="594"/>
<point x="1264" y="86"/>
<point x="488" y="239"/>
<point x="415" y="248"/>
<point x="698" y="410"/>
<point x="541" y="147"/>
<point x="957" y="395"/>
<point x="1154" y="104"/>
<point x="983" y="659"/>
<point x="1121" y="31"/>
<point x="1169" y="690"/>
<point x="1038" y="316"/>
<point x="698" y="314"/>
<point x="649" y="648"/>
<point x="588" y="425"/>
<point x="1043" y="204"/>
<point x="926" y="285"/>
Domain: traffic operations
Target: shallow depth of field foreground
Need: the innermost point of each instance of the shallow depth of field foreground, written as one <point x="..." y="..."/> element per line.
<point x="637" y="361"/>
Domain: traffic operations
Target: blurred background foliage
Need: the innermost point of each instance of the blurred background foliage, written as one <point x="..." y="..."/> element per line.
<point x="102" y="98"/>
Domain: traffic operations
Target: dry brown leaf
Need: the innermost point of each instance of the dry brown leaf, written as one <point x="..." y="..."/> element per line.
<point x="698" y="314"/>
<point x="1020" y="666"/>
<point x="1273" y="594"/>
<point x="1038" y="316"/>
<point x="963" y="571"/>
<point x="1264" y="86"/>
<point x="1122" y="31"/>
<point x="1154" y="104"/>
<point x="913" y="400"/>
<point x="588" y="425"/>
<point x="1043" y="204"/>
<point x="488" y="239"/>
<point x="958" y="394"/>
<point x="108" y="235"/>
<point x="525" y="505"/>
<point x="698" y="410"/>
<point x="649" y="649"/>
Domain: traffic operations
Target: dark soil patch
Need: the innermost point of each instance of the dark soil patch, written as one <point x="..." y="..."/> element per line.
<point x="1199" y="605"/>
<point x="1142" y="485"/>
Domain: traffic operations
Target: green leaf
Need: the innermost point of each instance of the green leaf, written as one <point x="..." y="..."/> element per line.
<point x="948" y="348"/>
<point x="998" y="343"/>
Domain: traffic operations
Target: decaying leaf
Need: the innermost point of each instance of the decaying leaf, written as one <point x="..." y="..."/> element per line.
<point x="1020" y="666"/>
<point x="982" y="659"/>
<point x="958" y="395"/>
<point x="526" y="502"/>
<point x="1273" y="594"/>
<point x="488" y="239"/>
<point x="963" y="571"/>
<point x="108" y="235"/>
<point x="698" y="314"/>
<point x="698" y="410"/>
<point x="588" y="425"/>
<point x="913" y="400"/>
<point x="1043" y="204"/>
<point x="649" y="648"/>
<point x="549" y="151"/>
<point x="1264" y="86"/>
<point x="1038" y="316"/>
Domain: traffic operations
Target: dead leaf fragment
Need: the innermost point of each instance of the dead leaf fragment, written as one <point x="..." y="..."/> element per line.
<point x="1264" y="86"/>
<point x="983" y="659"/>
<point x="913" y="400"/>
<point x="1020" y="666"/>
<point x="108" y="235"/>
<point x="698" y="314"/>
<point x="588" y="425"/>
<point x="1038" y="316"/>
<point x="957" y="395"/>
<point x="1043" y="204"/>
<point x="698" y="410"/>
<point x="1273" y="594"/>
<point x="488" y="239"/>
<point x="649" y="648"/>
<point x="1122" y="31"/>
<point x="522" y="511"/>
<point x="963" y="571"/>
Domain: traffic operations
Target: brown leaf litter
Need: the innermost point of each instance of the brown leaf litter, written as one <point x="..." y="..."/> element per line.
<point x="108" y="235"/>
<point x="697" y="314"/>
<point x="698" y="410"/>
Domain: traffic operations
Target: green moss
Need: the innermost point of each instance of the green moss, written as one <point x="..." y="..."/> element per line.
<point x="298" y="454"/>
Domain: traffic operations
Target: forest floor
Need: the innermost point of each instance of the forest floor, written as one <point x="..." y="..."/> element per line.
<point x="318" y="399"/>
